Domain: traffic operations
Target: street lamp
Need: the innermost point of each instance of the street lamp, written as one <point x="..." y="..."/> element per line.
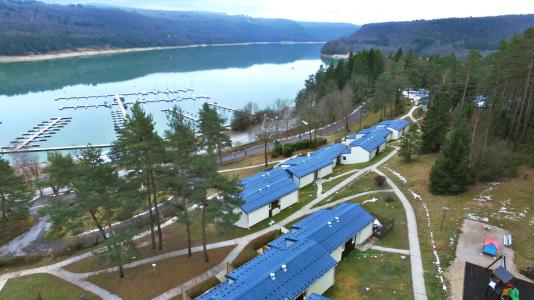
<point x="445" y="210"/>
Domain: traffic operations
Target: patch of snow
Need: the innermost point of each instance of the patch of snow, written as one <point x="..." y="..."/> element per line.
<point x="486" y="195"/>
<point x="415" y="195"/>
<point x="510" y="213"/>
<point x="477" y="218"/>
<point x="402" y="178"/>
<point x="437" y="261"/>
<point x="372" y="200"/>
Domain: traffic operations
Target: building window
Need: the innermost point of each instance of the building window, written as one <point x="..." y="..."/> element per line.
<point x="344" y="158"/>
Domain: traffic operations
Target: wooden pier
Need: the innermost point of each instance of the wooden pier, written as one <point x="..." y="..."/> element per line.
<point x="46" y="149"/>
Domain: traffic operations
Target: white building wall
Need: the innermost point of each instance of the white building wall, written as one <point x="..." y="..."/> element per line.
<point x="249" y="220"/>
<point x="289" y="200"/>
<point x="336" y="254"/>
<point x="243" y="219"/>
<point x="322" y="284"/>
<point x="382" y="147"/>
<point x="303" y="181"/>
<point x="395" y="134"/>
<point x="364" y="234"/>
<point x="325" y="171"/>
<point x="357" y="155"/>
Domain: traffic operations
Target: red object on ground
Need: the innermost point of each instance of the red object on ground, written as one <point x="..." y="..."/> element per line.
<point x="490" y="241"/>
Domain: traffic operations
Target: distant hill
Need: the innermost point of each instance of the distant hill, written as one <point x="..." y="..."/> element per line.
<point x="441" y="36"/>
<point x="31" y="27"/>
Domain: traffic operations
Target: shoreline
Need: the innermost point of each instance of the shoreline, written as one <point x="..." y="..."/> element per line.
<point x="96" y="52"/>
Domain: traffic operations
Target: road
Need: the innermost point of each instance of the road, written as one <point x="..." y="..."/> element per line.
<point x="327" y="130"/>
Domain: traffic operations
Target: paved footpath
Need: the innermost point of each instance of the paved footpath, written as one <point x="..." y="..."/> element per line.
<point x="418" y="279"/>
<point x="78" y="279"/>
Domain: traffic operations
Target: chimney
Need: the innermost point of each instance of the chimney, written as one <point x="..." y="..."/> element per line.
<point x="329" y="224"/>
<point x="284" y="268"/>
<point x="273" y="277"/>
<point x="337" y="219"/>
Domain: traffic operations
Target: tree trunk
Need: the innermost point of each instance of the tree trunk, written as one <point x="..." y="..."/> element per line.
<point x="156" y="210"/>
<point x="347" y="127"/>
<point x="219" y="152"/>
<point x="4" y="214"/>
<point x="204" y="242"/>
<point x="188" y="230"/>
<point x="465" y="87"/>
<point x="152" y="233"/>
<point x="265" y="152"/>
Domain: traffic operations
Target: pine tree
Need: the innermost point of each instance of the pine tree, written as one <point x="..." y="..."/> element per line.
<point x="138" y="147"/>
<point x="214" y="133"/>
<point x="59" y="170"/>
<point x="436" y="123"/>
<point x="219" y="208"/>
<point x="451" y="175"/>
<point x="410" y="143"/>
<point x="182" y="147"/>
<point x="105" y="198"/>
<point x="14" y="194"/>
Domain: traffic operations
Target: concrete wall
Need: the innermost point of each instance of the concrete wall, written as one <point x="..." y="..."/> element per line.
<point x="322" y="284"/>
<point x="357" y="155"/>
<point x="336" y="254"/>
<point x="325" y="171"/>
<point x="364" y="234"/>
<point x="248" y="220"/>
<point x="303" y="181"/>
<point x="289" y="200"/>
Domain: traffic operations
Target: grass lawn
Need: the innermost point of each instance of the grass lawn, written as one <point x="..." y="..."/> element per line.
<point x="372" y="275"/>
<point x="398" y="237"/>
<point x="13" y="229"/>
<point x="50" y="287"/>
<point x="510" y="208"/>
<point x="175" y="237"/>
<point x="330" y="184"/>
<point x="240" y="174"/>
<point x="363" y="184"/>
<point x="143" y="282"/>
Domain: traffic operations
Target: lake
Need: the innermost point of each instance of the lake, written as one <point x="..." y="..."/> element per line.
<point x="230" y="75"/>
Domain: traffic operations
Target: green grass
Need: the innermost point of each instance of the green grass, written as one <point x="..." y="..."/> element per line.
<point x="517" y="190"/>
<point x="398" y="237"/>
<point x="372" y="275"/>
<point x="174" y="238"/>
<point x="14" y="228"/>
<point x="145" y="282"/>
<point x="328" y="185"/>
<point x="363" y="184"/>
<point x="50" y="287"/>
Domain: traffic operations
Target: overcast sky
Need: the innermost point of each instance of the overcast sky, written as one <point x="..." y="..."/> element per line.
<point x="352" y="11"/>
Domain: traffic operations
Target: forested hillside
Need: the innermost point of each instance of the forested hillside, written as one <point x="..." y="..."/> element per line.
<point x="492" y="139"/>
<point x="30" y="27"/>
<point x="434" y="37"/>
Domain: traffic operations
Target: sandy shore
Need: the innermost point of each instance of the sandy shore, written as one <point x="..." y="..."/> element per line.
<point x="92" y="52"/>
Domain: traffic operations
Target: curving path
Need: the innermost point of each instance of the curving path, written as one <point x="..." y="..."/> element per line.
<point x="418" y="279"/>
<point x="78" y="279"/>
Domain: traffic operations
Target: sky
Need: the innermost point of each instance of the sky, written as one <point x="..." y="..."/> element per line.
<point x="350" y="11"/>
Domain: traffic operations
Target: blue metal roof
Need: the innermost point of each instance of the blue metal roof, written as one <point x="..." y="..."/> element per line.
<point x="265" y="187"/>
<point x="395" y="124"/>
<point x="332" y="151"/>
<point x="329" y="227"/>
<point x="305" y="262"/>
<point x="369" y="142"/>
<point x="317" y="297"/>
<point x="304" y="165"/>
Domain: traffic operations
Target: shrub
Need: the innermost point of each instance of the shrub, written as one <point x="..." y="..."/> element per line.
<point x="288" y="150"/>
<point x="380" y="180"/>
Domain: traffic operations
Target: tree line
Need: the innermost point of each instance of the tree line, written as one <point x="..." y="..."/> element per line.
<point x="176" y="172"/>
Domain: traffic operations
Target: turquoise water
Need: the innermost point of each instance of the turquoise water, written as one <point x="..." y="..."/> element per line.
<point x="231" y="76"/>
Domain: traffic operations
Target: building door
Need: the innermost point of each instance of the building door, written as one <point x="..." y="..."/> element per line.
<point x="349" y="246"/>
<point x="274" y="205"/>
<point x="300" y="297"/>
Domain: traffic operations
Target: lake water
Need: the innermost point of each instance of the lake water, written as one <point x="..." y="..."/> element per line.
<point x="230" y="75"/>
